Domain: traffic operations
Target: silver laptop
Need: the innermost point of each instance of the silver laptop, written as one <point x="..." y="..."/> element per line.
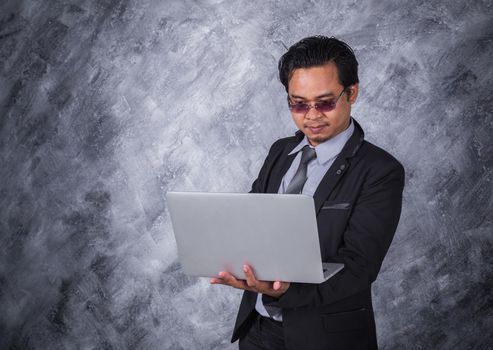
<point x="276" y="234"/>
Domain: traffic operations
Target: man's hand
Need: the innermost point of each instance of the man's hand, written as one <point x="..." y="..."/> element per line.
<point x="274" y="289"/>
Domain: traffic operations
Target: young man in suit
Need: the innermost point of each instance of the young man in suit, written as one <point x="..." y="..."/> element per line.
<point x="357" y="189"/>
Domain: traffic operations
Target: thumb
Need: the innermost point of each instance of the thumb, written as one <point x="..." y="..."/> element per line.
<point x="277" y="285"/>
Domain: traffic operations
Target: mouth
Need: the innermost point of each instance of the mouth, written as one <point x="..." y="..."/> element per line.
<point x="316" y="128"/>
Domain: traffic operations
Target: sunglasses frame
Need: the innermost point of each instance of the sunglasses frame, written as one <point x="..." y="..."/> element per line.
<point x="308" y="106"/>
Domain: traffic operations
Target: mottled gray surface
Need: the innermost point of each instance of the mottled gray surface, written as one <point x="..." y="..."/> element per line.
<point x="106" y="105"/>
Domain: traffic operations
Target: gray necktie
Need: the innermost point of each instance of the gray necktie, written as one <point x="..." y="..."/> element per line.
<point x="295" y="187"/>
<point x="299" y="178"/>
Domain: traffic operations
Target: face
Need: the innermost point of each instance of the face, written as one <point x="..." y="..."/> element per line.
<point x="314" y="85"/>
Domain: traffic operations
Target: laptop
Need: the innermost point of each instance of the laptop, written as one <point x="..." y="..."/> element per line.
<point x="276" y="234"/>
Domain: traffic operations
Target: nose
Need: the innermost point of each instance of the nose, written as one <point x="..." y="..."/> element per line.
<point x="313" y="113"/>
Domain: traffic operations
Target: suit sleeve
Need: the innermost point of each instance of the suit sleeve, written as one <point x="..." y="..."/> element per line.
<point x="366" y="239"/>
<point x="259" y="185"/>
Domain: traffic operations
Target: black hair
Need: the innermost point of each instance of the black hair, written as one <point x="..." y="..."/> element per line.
<point x="317" y="51"/>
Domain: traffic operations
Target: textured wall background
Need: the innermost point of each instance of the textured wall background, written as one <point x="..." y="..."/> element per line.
<point x="106" y="105"/>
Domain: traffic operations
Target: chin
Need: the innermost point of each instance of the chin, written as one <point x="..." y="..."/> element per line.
<point x="318" y="139"/>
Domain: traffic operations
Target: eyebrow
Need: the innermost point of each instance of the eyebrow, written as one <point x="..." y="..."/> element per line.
<point x="328" y="94"/>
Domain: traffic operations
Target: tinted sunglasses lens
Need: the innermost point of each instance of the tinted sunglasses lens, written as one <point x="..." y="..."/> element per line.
<point x="325" y="106"/>
<point x="299" y="107"/>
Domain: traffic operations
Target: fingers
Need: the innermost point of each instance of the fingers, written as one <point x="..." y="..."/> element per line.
<point x="276" y="288"/>
<point x="228" y="280"/>
<point x="250" y="277"/>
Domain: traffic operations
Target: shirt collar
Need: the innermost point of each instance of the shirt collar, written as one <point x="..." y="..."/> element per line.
<point x="330" y="148"/>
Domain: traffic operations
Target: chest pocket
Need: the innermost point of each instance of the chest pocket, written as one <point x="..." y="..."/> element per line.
<point x="336" y="205"/>
<point x="332" y="220"/>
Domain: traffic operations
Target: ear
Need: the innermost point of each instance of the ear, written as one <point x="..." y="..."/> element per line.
<point x="352" y="93"/>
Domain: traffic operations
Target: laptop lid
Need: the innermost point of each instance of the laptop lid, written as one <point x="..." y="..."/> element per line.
<point x="276" y="234"/>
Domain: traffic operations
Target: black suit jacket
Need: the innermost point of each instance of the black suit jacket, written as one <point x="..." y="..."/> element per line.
<point x="358" y="205"/>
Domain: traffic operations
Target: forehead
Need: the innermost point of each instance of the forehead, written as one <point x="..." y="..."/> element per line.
<point x="314" y="81"/>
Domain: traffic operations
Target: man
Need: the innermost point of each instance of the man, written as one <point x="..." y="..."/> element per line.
<point x="357" y="190"/>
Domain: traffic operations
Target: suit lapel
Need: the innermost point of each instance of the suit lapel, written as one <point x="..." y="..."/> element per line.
<point x="280" y="169"/>
<point x="281" y="164"/>
<point x="339" y="167"/>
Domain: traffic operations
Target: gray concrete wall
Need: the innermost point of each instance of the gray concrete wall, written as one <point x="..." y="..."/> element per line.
<point x="106" y="105"/>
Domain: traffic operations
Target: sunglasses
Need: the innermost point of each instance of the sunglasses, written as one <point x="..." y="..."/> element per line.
<point x="322" y="106"/>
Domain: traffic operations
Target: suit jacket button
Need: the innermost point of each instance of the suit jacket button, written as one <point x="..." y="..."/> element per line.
<point x="339" y="172"/>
